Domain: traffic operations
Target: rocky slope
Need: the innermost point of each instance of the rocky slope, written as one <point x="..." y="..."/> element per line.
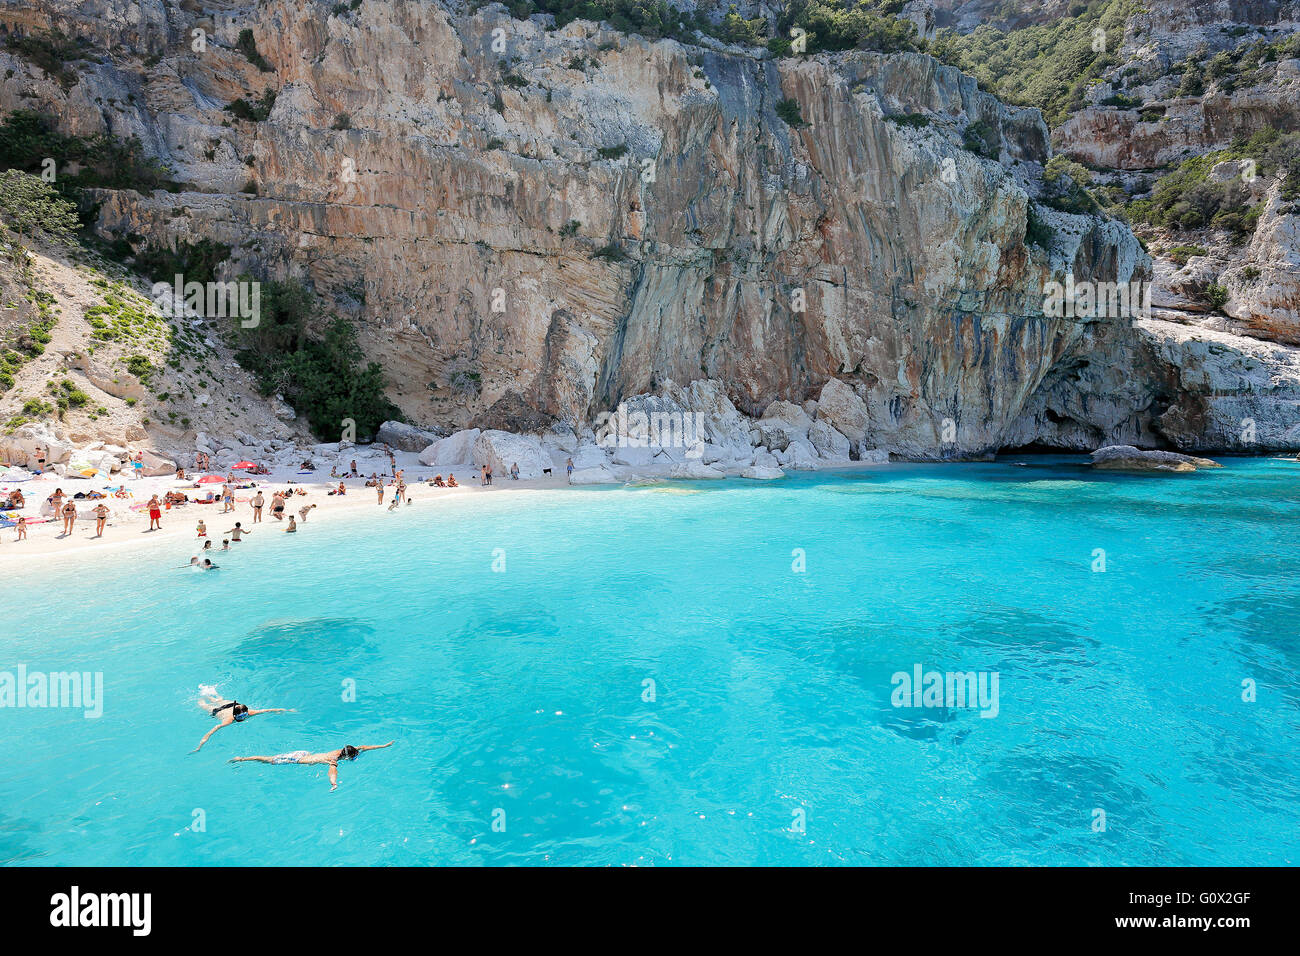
<point x="533" y="226"/>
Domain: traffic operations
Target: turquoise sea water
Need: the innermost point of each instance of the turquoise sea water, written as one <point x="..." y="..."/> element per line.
<point x="520" y="694"/>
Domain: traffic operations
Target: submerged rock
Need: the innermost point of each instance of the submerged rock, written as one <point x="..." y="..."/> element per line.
<point x="1128" y="458"/>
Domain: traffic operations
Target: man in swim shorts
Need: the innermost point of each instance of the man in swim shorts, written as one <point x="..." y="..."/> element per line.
<point x="229" y="712"/>
<point x="331" y="759"/>
<point x="257" y="503"/>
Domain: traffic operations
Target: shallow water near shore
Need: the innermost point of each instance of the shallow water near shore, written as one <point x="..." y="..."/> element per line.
<point x="505" y="643"/>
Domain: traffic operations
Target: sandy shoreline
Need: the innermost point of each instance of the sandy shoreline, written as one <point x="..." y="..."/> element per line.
<point x="126" y="530"/>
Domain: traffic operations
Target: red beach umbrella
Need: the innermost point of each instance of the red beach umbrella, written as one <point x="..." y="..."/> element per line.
<point x="211" y="480"/>
<point x="244" y="464"/>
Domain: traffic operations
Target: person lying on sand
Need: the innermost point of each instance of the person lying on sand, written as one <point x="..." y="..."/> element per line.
<point x="302" y="757"/>
<point x="229" y="712"/>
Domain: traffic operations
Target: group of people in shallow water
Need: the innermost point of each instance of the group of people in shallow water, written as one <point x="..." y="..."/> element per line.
<point x="279" y="506"/>
<point x="229" y="712"/>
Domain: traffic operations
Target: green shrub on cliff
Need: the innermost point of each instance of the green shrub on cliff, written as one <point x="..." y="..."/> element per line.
<point x="1067" y="187"/>
<point x="28" y="140"/>
<point x="320" y="374"/>
<point x="1186" y="198"/>
<point x="1048" y="65"/>
<point x="33" y="209"/>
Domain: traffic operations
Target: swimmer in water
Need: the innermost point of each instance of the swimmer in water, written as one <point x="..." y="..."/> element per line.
<point x="331" y="759"/>
<point x="229" y="712"/>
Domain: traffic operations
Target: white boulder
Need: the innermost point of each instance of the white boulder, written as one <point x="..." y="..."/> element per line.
<point x="841" y="408"/>
<point x="502" y="450"/>
<point x="457" y="449"/>
<point x="829" y="442"/>
<point x="694" y="470"/>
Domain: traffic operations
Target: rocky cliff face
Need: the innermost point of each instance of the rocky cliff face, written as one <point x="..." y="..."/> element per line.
<point x="532" y="226"/>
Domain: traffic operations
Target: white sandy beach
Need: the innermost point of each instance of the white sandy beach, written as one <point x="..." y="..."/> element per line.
<point x="128" y="529"/>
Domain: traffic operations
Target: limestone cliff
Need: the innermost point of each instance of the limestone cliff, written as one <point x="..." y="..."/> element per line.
<point x="533" y="225"/>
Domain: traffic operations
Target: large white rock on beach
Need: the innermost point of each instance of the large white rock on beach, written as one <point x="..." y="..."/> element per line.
<point x="830" y="444"/>
<point x="156" y="466"/>
<point x="800" y="456"/>
<point x="405" y="437"/>
<point x="589" y="455"/>
<point x="457" y="449"/>
<point x="501" y="450"/>
<point x="842" y="408"/>
<point x="20" y="447"/>
<point x="874" y="456"/>
<point x="635" y="457"/>
<point x="762" y="473"/>
<point x="723" y="424"/>
<point x="600" y="474"/>
<point x="782" y="423"/>
<point x="694" y="470"/>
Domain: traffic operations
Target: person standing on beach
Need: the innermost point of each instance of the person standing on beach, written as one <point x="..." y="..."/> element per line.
<point x="258" y="501"/>
<point x="277" y="505"/>
<point x="21" y="528"/>
<point x="227" y="498"/>
<point x="40" y="451"/>
<point x="101" y="516"/>
<point x="568" y="470"/>
<point x="56" y="502"/>
<point x="155" y="514"/>
<point x="379" y="488"/>
<point x="69" y="516"/>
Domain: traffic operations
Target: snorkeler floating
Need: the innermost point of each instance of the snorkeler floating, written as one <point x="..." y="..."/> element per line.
<point x="331" y="758"/>
<point x="229" y="712"/>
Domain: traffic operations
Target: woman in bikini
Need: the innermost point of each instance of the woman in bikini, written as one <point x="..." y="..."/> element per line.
<point x="69" y="516"/>
<point x="101" y="516"/>
<point x="229" y="712"/>
<point x="331" y="759"/>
